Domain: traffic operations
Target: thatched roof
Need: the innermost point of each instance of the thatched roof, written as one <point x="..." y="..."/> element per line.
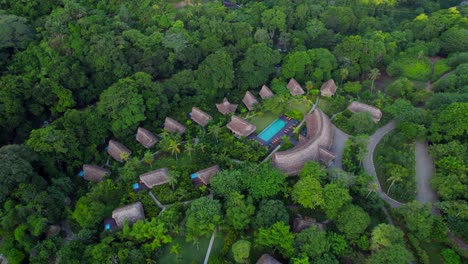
<point x="225" y="107"/>
<point x="115" y="149"/>
<point x="325" y="156"/>
<point x="265" y="92"/>
<point x="94" y="173"/>
<point x="130" y="213"/>
<point x="267" y="259"/>
<point x="155" y="178"/>
<point x="240" y="127"/>
<point x="200" y="117"/>
<point x="328" y="88"/>
<point x="171" y="126"/>
<point x="146" y="138"/>
<point x="303" y="223"/>
<point x="295" y="88"/>
<point x="206" y="174"/>
<point x="249" y="100"/>
<point x="357" y="107"/>
<point x="319" y="135"/>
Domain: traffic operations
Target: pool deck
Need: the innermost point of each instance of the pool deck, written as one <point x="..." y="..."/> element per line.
<point x="288" y="129"/>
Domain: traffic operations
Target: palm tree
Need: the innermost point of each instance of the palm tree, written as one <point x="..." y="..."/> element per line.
<point x="201" y="147"/>
<point x="172" y="179"/>
<point x="174" y="147"/>
<point x="214" y="130"/>
<point x="374" y="75"/>
<point x="189" y="149"/>
<point x="394" y="178"/>
<point x="372" y="187"/>
<point x="148" y="158"/>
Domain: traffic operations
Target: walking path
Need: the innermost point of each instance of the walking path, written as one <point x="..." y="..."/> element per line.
<point x="369" y="161"/>
<point x="208" y="252"/>
<point x="339" y="142"/>
<point x="424" y="172"/>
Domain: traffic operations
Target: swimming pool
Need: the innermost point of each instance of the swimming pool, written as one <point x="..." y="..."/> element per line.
<point x="272" y="129"/>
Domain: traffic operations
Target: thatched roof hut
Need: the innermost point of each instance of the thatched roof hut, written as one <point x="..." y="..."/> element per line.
<point x="200" y="117"/>
<point x="265" y="92"/>
<point x="295" y="88"/>
<point x="226" y="107"/>
<point x="206" y="174"/>
<point x="146" y="138"/>
<point x="325" y="156"/>
<point x="172" y="126"/>
<point x="155" y="178"/>
<point x="240" y="127"/>
<point x="94" y="173"/>
<point x="319" y="135"/>
<point x="130" y="213"/>
<point x="249" y="100"/>
<point x="116" y="149"/>
<point x="267" y="259"/>
<point x="357" y="107"/>
<point x="328" y="88"/>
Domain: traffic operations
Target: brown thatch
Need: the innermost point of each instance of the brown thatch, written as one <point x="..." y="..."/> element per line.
<point x="325" y="156"/>
<point x="130" y="213"/>
<point x="94" y="173"/>
<point x="267" y="259"/>
<point x="240" y="127"/>
<point x="249" y="100"/>
<point x="225" y="107"/>
<point x="328" y="88"/>
<point x="206" y="174"/>
<point x="265" y="92"/>
<point x="155" y="178"/>
<point x="295" y="88"/>
<point x="319" y="135"/>
<point x="200" y="117"/>
<point x="172" y="126"/>
<point x="146" y="138"/>
<point x="357" y="107"/>
<point x="116" y="149"/>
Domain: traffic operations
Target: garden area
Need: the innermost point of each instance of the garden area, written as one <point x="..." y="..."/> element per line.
<point x="394" y="161"/>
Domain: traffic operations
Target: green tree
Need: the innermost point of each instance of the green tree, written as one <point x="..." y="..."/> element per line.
<point x="308" y="192"/>
<point x="215" y="76"/>
<point x="352" y="220"/>
<point x="270" y="212"/>
<point x="239" y="211"/>
<point x="361" y="123"/>
<point x="226" y="183"/>
<point x="15" y="32"/>
<point x="203" y="216"/>
<point x="277" y="237"/>
<point x="418" y="219"/>
<point x="451" y="123"/>
<point x="335" y="197"/>
<point x="149" y="234"/>
<point x="374" y="74"/>
<point x="174" y="147"/>
<point x="396" y="175"/>
<point x="450" y="256"/>
<point x="314" y="170"/>
<point x="353" y="87"/>
<point x="262" y="180"/>
<point x="241" y="251"/>
<point x="273" y="20"/>
<point x="393" y="254"/>
<point x="148" y="158"/>
<point x="385" y="235"/>
<point x="311" y="241"/>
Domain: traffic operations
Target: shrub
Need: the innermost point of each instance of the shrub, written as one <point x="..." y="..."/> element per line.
<point x="440" y="67"/>
<point x="294" y="114"/>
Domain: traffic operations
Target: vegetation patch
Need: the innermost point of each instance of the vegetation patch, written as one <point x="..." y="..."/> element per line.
<point x="440" y="68"/>
<point x="394" y="160"/>
<point x="418" y="69"/>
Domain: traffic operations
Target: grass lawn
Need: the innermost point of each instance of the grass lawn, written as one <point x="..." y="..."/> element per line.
<point x="302" y="106"/>
<point x="189" y="252"/>
<point x="261" y="121"/>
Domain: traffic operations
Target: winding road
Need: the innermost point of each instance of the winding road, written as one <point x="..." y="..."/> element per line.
<point x="424" y="172"/>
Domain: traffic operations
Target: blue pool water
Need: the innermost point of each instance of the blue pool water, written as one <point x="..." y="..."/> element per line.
<point x="272" y="129"/>
<point x="194" y="176"/>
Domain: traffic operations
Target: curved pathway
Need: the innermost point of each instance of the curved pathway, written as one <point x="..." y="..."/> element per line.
<point x="339" y="142"/>
<point x="424" y="172"/>
<point x="368" y="163"/>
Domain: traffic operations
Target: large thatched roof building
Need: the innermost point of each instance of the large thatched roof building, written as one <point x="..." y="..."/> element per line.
<point x="130" y="213"/>
<point x="203" y="177"/>
<point x="267" y="259"/>
<point x="155" y="178"/>
<point x="240" y="127"/>
<point x="226" y="107"/>
<point x="249" y="100"/>
<point x="94" y="173"/>
<point x="295" y="88"/>
<point x="265" y="92"/>
<point x="357" y="107"/>
<point x="200" y="117"/>
<point x="146" y="138"/>
<point x="172" y="126"/>
<point x="328" y="88"/>
<point x="116" y="149"/>
<point x="313" y="147"/>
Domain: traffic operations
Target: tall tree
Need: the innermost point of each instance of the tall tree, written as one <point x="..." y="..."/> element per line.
<point x="277" y="237"/>
<point x="352" y="221"/>
<point x="203" y="216"/>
